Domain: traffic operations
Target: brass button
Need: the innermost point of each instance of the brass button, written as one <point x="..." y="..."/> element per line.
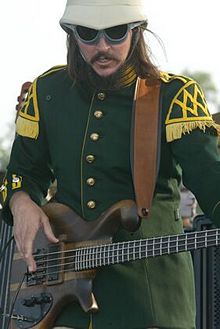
<point x="90" y="158"/>
<point x="101" y="96"/>
<point x="90" y="181"/>
<point x="98" y="114"/>
<point x="94" y="137"/>
<point x="91" y="204"/>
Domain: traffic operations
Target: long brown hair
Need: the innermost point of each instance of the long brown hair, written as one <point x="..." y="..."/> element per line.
<point x="140" y="58"/>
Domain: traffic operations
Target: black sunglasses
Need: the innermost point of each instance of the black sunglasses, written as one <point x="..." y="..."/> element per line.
<point x="115" y="34"/>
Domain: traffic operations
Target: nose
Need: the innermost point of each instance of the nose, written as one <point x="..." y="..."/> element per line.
<point x="103" y="44"/>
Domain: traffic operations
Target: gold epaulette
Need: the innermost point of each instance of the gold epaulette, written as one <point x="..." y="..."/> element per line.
<point x="27" y="123"/>
<point x="188" y="109"/>
<point x="52" y="70"/>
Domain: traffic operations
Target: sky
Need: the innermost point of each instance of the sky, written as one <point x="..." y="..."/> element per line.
<point x="32" y="42"/>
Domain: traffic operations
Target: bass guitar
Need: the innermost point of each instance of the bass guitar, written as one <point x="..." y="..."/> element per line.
<point x="65" y="271"/>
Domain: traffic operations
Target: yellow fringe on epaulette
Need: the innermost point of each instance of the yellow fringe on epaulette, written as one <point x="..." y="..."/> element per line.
<point x="27" y="128"/>
<point x="176" y="130"/>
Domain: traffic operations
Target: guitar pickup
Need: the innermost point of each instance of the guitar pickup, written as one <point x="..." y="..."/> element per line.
<point x="55" y="264"/>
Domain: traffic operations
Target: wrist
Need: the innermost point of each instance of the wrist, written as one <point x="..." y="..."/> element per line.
<point x="18" y="200"/>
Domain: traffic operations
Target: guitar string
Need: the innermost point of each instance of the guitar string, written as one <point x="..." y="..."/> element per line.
<point x="129" y="244"/>
<point x="98" y="251"/>
<point x="170" y="239"/>
<point x="98" y="260"/>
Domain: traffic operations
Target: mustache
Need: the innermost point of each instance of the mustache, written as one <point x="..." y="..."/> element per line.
<point x="102" y="54"/>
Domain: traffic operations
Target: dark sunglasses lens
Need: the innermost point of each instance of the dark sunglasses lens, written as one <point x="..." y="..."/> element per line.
<point x="86" y="33"/>
<point x="117" y="32"/>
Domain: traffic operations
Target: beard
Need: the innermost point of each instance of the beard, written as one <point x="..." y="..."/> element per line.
<point x="88" y="75"/>
<point x="110" y="82"/>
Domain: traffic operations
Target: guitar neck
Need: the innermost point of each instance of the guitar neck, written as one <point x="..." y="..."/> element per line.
<point x="121" y="252"/>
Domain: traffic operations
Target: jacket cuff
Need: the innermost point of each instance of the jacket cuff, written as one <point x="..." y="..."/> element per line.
<point x="16" y="184"/>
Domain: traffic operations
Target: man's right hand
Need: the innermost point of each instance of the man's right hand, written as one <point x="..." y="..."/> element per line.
<point x="28" y="219"/>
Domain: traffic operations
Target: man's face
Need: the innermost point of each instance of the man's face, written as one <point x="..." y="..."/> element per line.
<point x="104" y="57"/>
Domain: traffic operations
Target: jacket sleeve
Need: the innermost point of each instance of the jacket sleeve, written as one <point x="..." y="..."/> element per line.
<point x="198" y="155"/>
<point x="29" y="166"/>
<point x="193" y="138"/>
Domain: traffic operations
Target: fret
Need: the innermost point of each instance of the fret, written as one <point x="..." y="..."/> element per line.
<point x="126" y="252"/>
<point x="89" y="258"/>
<point x="117" y="253"/>
<point x="146" y="251"/>
<point x="108" y="255"/>
<point x="83" y="258"/>
<point x="122" y="254"/>
<point x="100" y="255"/>
<point x="112" y="254"/>
<point x="206" y="239"/>
<point x="195" y="240"/>
<point x="93" y="257"/>
<point x="186" y="242"/>
<point x="161" y="244"/>
<point x="153" y="251"/>
<point x="168" y="250"/>
<point x="96" y="257"/>
<point x="80" y="259"/>
<point x="177" y="241"/>
<point x="100" y="252"/>
<point x="139" y="247"/>
<point x="134" y="246"/>
<point x="209" y="237"/>
<point x="76" y="261"/>
<point x="104" y="254"/>
<point x="216" y="243"/>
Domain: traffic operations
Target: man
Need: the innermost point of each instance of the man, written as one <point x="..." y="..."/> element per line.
<point x="188" y="206"/>
<point x="75" y="127"/>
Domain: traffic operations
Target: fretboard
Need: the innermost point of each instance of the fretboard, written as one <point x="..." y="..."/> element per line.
<point x="121" y="252"/>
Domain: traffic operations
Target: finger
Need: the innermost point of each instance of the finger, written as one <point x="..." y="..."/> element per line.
<point x="28" y="256"/>
<point x="48" y="231"/>
<point x="31" y="264"/>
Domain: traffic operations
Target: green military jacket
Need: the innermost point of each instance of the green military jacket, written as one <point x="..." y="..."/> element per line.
<point x="81" y="138"/>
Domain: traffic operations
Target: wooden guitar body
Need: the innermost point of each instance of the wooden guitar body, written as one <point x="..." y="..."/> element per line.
<point x="65" y="271"/>
<point x="59" y="278"/>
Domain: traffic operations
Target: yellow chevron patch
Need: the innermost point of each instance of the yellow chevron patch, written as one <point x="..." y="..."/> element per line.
<point x="27" y="123"/>
<point x="188" y="111"/>
<point x="16" y="182"/>
<point x="189" y="104"/>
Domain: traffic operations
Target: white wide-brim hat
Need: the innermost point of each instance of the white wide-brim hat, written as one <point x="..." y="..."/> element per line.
<point x="101" y="14"/>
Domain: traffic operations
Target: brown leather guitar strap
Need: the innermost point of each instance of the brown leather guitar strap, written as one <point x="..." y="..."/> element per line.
<point x="146" y="143"/>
